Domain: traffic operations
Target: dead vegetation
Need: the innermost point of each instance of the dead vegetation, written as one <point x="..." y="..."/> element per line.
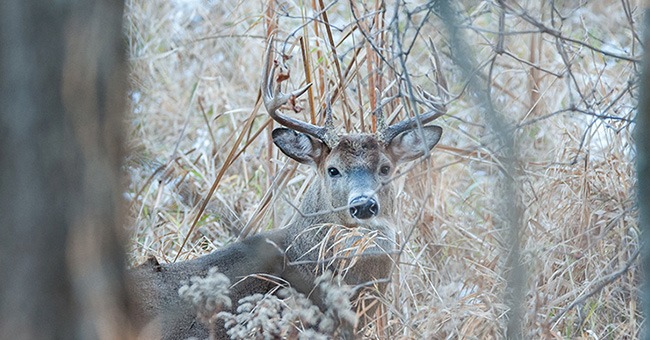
<point x="202" y="170"/>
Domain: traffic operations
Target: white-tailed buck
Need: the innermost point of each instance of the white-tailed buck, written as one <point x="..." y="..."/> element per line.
<point x="346" y="221"/>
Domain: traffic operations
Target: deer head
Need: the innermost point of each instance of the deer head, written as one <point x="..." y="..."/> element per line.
<point x="354" y="170"/>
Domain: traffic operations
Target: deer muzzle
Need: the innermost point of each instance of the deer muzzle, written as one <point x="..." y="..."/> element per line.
<point x="364" y="207"/>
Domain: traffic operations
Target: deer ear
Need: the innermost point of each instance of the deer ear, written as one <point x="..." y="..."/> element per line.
<point x="412" y="144"/>
<point x="299" y="146"/>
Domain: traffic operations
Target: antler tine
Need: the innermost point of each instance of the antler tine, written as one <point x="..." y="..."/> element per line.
<point x="392" y="131"/>
<point x="274" y="99"/>
<point x="330" y="138"/>
<point x="329" y="119"/>
<point x="379" y="112"/>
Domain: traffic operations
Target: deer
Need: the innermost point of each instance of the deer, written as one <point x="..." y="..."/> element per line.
<point x="352" y="191"/>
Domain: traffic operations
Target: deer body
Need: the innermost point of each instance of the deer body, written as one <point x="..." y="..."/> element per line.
<point x="352" y="191"/>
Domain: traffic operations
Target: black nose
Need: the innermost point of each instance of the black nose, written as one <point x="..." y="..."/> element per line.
<point x="364" y="207"/>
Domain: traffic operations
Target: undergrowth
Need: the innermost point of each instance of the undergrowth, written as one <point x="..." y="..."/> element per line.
<point x="564" y="76"/>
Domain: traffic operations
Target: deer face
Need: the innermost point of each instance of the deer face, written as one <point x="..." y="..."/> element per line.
<point x="355" y="174"/>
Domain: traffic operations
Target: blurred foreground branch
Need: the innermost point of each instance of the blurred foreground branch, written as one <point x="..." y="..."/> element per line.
<point x="507" y="153"/>
<point x="643" y="171"/>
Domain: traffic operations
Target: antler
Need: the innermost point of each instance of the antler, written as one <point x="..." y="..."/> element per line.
<point x="436" y="105"/>
<point x="436" y="110"/>
<point x="274" y="99"/>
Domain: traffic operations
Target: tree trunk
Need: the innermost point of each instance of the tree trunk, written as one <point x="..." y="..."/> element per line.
<point x="642" y="136"/>
<point x="62" y="91"/>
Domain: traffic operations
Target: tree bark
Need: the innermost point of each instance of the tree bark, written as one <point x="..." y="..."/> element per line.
<point x="62" y="91"/>
<point x="642" y="136"/>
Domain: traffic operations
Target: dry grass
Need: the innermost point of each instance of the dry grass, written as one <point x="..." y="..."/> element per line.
<point x="195" y="125"/>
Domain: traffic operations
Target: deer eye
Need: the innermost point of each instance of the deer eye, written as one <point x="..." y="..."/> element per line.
<point x="333" y="172"/>
<point x="384" y="170"/>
